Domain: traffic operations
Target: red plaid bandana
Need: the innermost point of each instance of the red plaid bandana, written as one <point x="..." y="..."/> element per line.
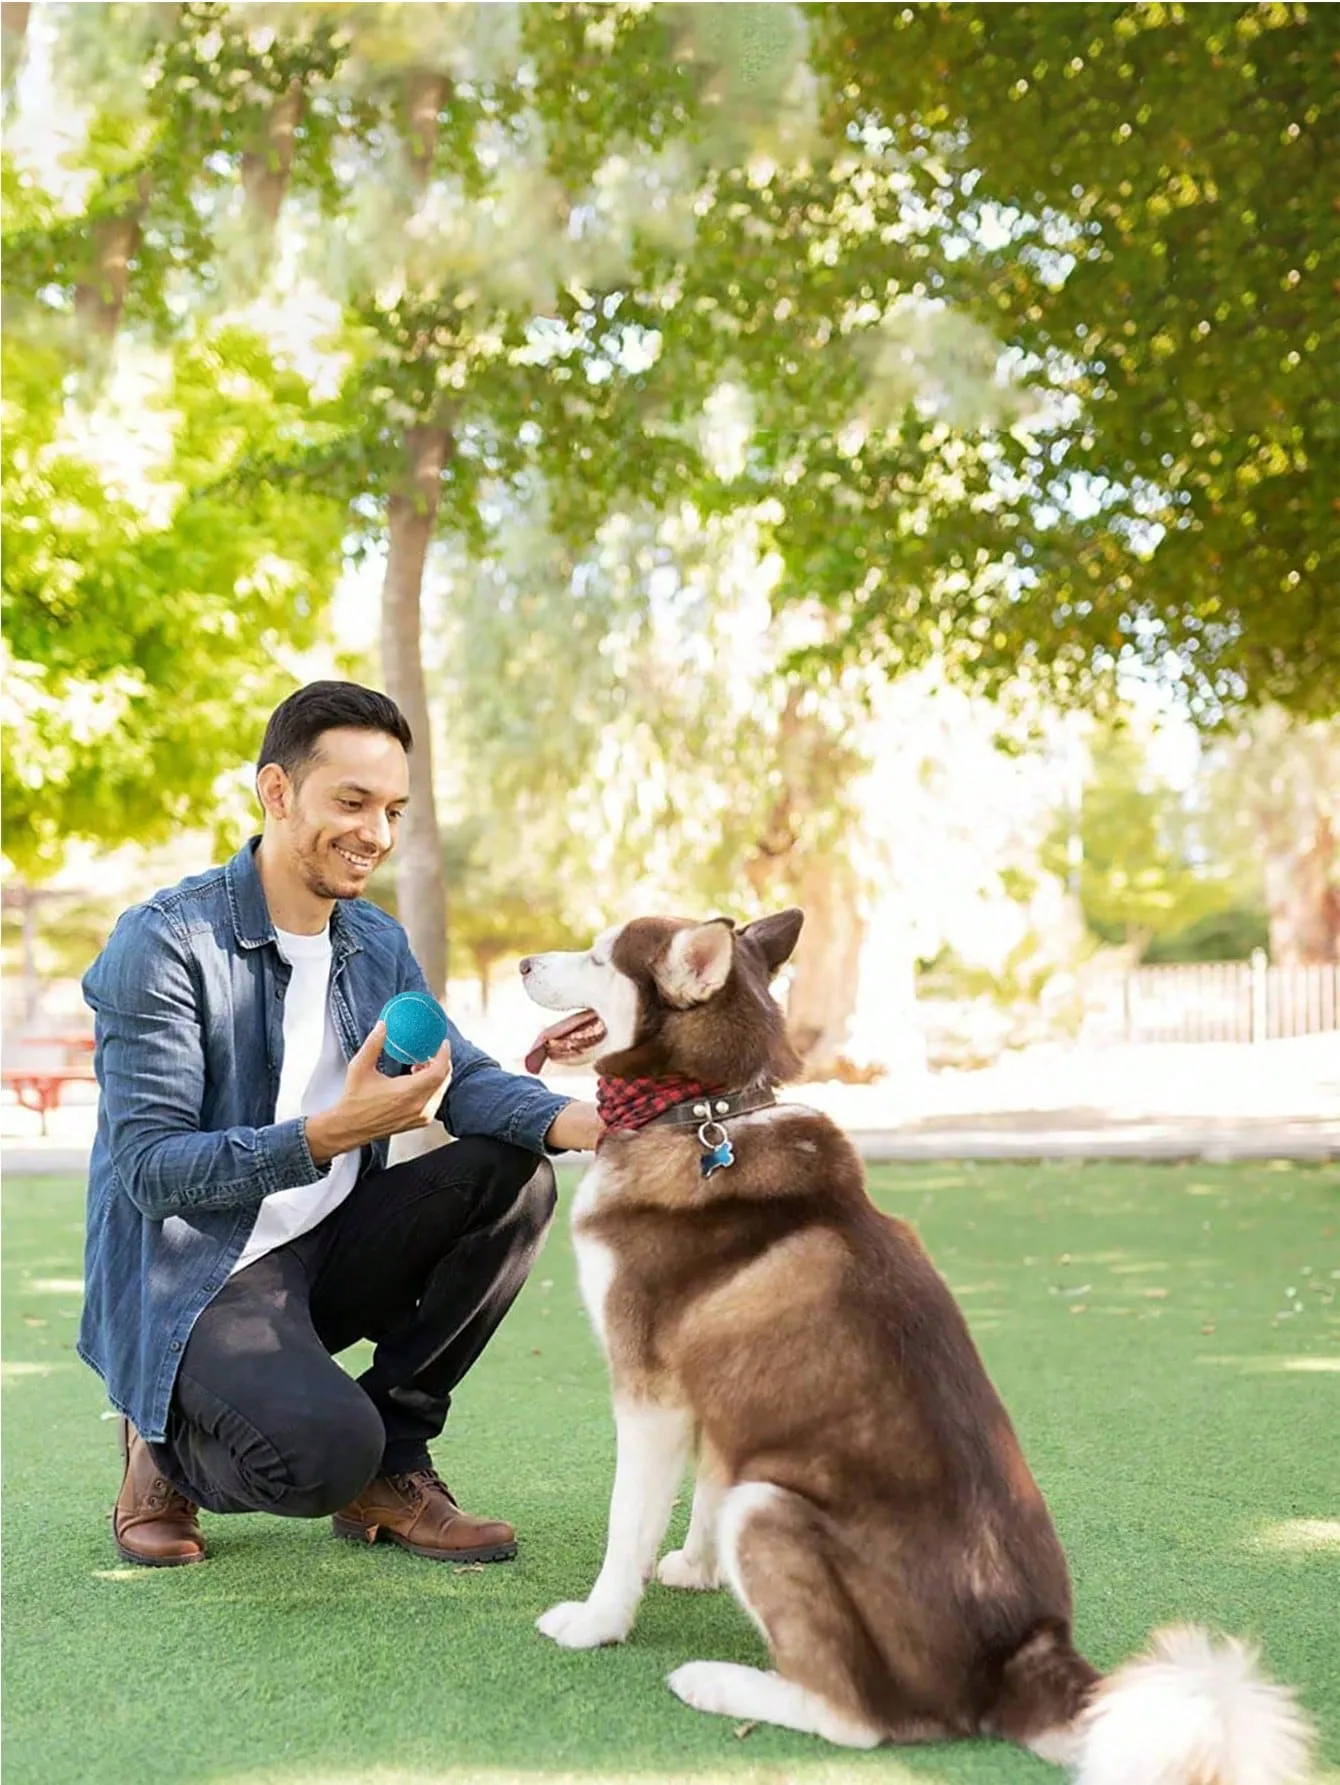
<point x="630" y="1103"/>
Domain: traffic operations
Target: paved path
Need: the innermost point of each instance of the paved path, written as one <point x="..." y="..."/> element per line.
<point x="1009" y="1134"/>
<point x="1280" y="1100"/>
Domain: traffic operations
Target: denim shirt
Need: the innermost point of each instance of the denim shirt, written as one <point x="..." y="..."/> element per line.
<point x="188" y="997"/>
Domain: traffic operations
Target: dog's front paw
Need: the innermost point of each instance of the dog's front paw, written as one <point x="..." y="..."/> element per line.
<point x="679" y="1569"/>
<point x="578" y="1624"/>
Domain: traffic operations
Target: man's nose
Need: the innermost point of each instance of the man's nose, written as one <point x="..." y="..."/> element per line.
<point x="378" y="832"/>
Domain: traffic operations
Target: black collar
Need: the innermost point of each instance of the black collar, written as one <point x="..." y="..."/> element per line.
<point x="714" y="1106"/>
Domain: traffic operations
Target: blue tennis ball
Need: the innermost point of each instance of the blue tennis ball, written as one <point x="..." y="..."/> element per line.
<point x="416" y="1027"/>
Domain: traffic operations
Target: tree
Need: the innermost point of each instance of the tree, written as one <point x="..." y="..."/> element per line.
<point x="502" y="300"/>
<point x="1143" y="871"/>
<point x="1273" y="805"/>
<point x="195" y="123"/>
<point x="149" y="625"/>
<point x="14" y="16"/>
<point x="1136" y="201"/>
<point x="621" y="738"/>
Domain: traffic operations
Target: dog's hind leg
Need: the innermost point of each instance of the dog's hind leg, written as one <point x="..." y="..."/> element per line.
<point x="757" y="1697"/>
<point x="777" y="1557"/>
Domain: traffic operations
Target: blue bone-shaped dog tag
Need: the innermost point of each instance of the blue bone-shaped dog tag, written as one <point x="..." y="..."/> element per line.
<point x="721" y="1155"/>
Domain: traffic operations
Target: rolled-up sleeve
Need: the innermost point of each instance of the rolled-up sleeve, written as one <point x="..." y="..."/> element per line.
<point x="481" y="1097"/>
<point x="150" y="1062"/>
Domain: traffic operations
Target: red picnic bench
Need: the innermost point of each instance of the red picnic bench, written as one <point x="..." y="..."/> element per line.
<point x="39" y="1088"/>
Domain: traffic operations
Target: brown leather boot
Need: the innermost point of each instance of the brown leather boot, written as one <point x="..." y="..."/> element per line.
<point x="418" y="1511"/>
<point x="152" y="1523"/>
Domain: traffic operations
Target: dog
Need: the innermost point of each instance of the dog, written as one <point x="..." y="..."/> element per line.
<point x="859" y="1486"/>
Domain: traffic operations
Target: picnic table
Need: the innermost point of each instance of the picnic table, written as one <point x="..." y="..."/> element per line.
<point x="40" y="1088"/>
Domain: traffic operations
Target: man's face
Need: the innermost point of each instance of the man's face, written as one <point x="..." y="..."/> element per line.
<point x="340" y="819"/>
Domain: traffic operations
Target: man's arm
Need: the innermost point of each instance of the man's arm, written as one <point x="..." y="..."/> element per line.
<point x="575" y="1129"/>
<point x="151" y="1068"/>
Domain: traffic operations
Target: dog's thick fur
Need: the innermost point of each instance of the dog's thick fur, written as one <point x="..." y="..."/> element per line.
<point x="859" y="1484"/>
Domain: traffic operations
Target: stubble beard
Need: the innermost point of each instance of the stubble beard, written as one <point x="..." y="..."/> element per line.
<point x="314" y="874"/>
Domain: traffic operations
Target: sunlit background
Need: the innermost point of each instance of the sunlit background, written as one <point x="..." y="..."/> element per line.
<point x="876" y="459"/>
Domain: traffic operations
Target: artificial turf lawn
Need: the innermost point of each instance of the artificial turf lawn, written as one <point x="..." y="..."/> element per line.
<point x="1165" y="1338"/>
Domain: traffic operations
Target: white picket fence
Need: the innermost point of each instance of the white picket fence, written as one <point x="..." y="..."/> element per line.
<point x="1230" y="1001"/>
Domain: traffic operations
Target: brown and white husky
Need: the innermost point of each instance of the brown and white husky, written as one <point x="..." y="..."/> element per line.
<point x="859" y="1488"/>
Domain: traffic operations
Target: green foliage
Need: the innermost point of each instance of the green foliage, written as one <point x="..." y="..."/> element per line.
<point x="176" y="99"/>
<point x="68" y="933"/>
<point x="1019" y="980"/>
<point x="664" y="292"/>
<point x="616" y="720"/>
<point x="498" y="910"/>
<point x="1136" y="200"/>
<point x="1145" y="872"/>
<point x="148" y="627"/>
<point x="1233" y="934"/>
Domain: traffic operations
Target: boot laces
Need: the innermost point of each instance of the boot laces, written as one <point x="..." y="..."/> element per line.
<point x="422" y="1482"/>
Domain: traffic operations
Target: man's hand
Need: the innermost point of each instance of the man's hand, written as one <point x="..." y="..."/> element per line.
<point x="576" y="1128"/>
<point x="374" y="1107"/>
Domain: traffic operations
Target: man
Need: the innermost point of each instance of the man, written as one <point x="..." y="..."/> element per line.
<point x="243" y="1225"/>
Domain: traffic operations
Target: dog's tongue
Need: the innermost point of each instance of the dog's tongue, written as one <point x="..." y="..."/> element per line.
<point x="542" y="1046"/>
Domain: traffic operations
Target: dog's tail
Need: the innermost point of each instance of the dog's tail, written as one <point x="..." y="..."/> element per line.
<point x="1189" y="1711"/>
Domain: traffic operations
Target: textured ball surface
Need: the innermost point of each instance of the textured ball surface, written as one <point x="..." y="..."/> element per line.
<point x="416" y="1027"/>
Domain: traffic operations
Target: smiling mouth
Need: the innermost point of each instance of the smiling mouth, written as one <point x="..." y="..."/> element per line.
<point x="569" y="1039"/>
<point x="355" y="861"/>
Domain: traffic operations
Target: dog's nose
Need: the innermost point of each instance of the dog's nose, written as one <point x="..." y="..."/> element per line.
<point x="527" y="963"/>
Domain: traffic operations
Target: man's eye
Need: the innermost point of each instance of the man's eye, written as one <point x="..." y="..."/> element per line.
<point x="350" y="805"/>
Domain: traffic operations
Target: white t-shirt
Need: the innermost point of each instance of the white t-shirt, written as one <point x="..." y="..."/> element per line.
<point x="310" y="1080"/>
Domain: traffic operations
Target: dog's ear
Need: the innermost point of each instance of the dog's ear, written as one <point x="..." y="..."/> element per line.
<point x="775" y="936"/>
<point x="697" y="963"/>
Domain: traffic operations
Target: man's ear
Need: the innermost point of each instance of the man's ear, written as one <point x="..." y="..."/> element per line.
<point x="272" y="790"/>
<point x="696" y="964"/>
<point x="775" y="936"/>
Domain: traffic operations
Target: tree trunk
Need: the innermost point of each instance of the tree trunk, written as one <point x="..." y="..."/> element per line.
<point x="100" y="296"/>
<point x="421" y="891"/>
<point x="1302" y="898"/>
<point x="825" y="974"/>
<point x="825" y="970"/>
<point x="425" y="96"/>
<point x="265" y="177"/>
<point x="420" y="886"/>
<point x="13" y="42"/>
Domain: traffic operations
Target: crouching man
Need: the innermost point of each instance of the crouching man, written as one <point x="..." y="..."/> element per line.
<point x="243" y="1224"/>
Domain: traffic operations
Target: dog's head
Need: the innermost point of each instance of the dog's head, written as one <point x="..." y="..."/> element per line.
<point x="664" y="996"/>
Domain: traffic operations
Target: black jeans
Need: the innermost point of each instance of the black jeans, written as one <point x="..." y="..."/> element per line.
<point x="425" y="1259"/>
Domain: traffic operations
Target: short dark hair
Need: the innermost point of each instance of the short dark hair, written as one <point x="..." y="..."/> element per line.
<point x="296" y="723"/>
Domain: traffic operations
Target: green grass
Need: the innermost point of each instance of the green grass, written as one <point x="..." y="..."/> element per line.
<point x="1166" y="1339"/>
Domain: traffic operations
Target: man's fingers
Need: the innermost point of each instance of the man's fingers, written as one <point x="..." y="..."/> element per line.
<point x="439" y="1065"/>
<point x="370" y="1052"/>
